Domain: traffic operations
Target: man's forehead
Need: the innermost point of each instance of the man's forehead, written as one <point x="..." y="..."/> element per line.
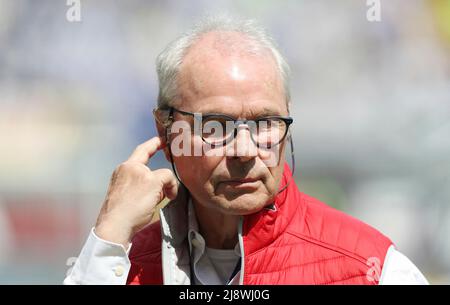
<point x="212" y="80"/>
<point x="228" y="52"/>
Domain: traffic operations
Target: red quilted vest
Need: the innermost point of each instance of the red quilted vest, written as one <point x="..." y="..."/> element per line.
<point x="302" y="241"/>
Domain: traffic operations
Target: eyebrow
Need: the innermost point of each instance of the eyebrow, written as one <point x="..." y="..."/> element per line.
<point x="254" y="113"/>
<point x="267" y="112"/>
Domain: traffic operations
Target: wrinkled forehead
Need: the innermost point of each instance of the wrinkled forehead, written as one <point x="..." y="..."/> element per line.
<point x="220" y="72"/>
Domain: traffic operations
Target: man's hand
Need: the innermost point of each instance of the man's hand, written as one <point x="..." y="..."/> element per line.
<point x="133" y="193"/>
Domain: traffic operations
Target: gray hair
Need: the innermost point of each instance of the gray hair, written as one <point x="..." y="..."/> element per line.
<point x="170" y="59"/>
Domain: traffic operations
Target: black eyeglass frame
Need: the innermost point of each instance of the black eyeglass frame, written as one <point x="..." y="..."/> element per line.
<point x="287" y="120"/>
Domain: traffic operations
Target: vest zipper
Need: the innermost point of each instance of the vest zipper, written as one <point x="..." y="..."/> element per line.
<point x="241" y="247"/>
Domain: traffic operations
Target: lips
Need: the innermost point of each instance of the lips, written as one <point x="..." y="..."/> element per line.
<point x="248" y="183"/>
<point x="244" y="180"/>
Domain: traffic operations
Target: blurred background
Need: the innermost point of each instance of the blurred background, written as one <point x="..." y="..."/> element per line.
<point x="371" y="102"/>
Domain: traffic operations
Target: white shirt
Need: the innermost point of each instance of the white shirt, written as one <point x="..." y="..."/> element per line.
<point x="223" y="262"/>
<point x="103" y="262"/>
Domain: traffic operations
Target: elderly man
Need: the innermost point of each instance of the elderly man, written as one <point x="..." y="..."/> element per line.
<point x="237" y="216"/>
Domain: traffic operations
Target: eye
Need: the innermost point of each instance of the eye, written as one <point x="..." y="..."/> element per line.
<point x="216" y="128"/>
<point x="270" y="131"/>
<point x="269" y="124"/>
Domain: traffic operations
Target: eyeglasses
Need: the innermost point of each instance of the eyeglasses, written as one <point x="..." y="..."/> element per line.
<point x="217" y="129"/>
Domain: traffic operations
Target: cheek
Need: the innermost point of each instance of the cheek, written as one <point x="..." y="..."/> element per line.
<point x="196" y="171"/>
<point x="270" y="158"/>
<point x="276" y="174"/>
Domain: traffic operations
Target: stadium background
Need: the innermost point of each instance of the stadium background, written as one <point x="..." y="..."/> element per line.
<point x="371" y="102"/>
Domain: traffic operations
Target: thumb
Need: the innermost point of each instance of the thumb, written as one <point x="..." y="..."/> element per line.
<point x="169" y="182"/>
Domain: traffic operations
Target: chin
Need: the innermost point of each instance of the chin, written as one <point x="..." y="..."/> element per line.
<point x="242" y="204"/>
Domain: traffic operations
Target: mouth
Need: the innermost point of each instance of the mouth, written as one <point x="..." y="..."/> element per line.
<point x="246" y="183"/>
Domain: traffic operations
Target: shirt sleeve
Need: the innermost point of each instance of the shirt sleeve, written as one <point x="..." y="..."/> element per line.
<point x="399" y="270"/>
<point x="100" y="262"/>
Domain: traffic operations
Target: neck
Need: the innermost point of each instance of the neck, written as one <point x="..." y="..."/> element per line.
<point x="219" y="230"/>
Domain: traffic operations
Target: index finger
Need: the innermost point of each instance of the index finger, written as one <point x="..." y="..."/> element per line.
<point x="146" y="150"/>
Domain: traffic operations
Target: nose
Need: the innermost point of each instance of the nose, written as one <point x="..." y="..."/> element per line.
<point x="243" y="146"/>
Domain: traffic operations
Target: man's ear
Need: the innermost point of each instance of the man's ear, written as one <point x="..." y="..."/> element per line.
<point x="162" y="134"/>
